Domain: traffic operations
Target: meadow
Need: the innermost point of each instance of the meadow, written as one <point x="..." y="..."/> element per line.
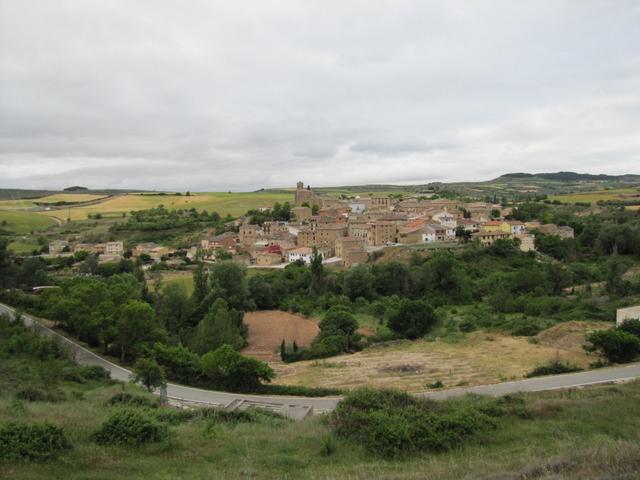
<point x="22" y="223"/>
<point x="577" y="434"/>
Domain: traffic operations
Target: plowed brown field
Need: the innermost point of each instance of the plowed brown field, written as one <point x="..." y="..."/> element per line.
<point x="268" y="328"/>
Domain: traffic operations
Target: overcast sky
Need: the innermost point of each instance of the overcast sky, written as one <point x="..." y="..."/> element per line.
<point x="238" y="95"/>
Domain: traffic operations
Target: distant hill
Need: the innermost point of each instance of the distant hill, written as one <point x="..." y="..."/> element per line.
<point x="76" y="189"/>
<point x="569" y="176"/>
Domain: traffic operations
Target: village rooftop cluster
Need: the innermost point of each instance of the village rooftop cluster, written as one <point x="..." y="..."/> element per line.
<point x="345" y="231"/>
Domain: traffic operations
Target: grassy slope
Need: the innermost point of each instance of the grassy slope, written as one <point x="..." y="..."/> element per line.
<point x="595" y="433"/>
<point x="24" y="222"/>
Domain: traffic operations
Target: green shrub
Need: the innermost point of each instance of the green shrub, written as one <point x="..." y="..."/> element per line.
<point x="31" y="394"/>
<point x="552" y="368"/>
<point x="130" y="427"/>
<point x="31" y="441"/>
<point x="616" y="345"/>
<point x="88" y="373"/>
<point x="173" y="417"/>
<point x="128" y="399"/>
<point x="631" y="326"/>
<point x="392" y="424"/>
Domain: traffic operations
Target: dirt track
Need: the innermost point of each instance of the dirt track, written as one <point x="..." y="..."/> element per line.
<point x="268" y="328"/>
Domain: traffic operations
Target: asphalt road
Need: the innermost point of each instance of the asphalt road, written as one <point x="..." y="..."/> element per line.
<point x="299" y="407"/>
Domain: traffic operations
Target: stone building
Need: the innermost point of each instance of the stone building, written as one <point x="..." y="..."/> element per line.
<point x="344" y="245"/>
<point x="301" y="214"/>
<point x="303" y="195"/>
<point x="383" y="232"/>
<point x="248" y="235"/>
<point x="355" y="257"/>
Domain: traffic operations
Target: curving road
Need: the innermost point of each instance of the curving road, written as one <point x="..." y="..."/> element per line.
<point x="300" y="407"/>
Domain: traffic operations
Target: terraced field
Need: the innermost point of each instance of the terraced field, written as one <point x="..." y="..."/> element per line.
<point x="592" y="197"/>
<point x="480" y="358"/>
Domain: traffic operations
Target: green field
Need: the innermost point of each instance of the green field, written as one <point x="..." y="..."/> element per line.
<point x="234" y="204"/>
<point x="181" y="278"/>
<point x="595" y="196"/>
<point x="21" y="222"/>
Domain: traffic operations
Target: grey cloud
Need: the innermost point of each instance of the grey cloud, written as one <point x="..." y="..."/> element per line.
<point x="213" y="95"/>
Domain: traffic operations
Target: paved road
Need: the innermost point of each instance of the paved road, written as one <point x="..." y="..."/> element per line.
<point x="299" y="407"/>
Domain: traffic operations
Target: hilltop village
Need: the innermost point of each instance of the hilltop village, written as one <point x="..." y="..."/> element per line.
<point x="348" y="230"/>
<point x="345" y="231"/>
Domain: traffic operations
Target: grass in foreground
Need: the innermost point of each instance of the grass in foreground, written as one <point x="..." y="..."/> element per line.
<point x="577" y="434"/>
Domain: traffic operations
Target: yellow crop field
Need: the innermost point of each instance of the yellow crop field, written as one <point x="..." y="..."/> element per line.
<point x="69" y="197"/>
<point x="234" y="204"/>
<point x="592" y="197"/>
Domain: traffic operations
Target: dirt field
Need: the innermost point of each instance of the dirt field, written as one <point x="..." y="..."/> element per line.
<point x="268" y="328"/>
<point x="480" y="358"/>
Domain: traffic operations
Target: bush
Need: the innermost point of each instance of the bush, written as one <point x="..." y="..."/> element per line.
<point x="631" y="326"/>
<point x="128" y="399"/>
<point x="616" y="345"/>
<point x="552" y="368"/>
<point x="393" y="424"/>
<point x="35" y="441"/>
<point x="30" y="394"/>
<point x="412" y="319"/>
<point x="130" y="427"/>
<point x="85" y="374"/>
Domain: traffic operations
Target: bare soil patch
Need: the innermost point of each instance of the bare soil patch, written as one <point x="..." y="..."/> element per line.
<point x="268" y="328"/>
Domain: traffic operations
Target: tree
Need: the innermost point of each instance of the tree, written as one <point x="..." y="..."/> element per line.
<point x="260" y="292"/>
<point x="90" y="265"/>
<point x="136" y="327"/>
<point x="174" y="308"/>
<point x="147" y="372"/>
<point x="200" y="281"/>
<point x="462" y="233"/>
<point x="443" y="276"/>
<point x="412" y="319"/>
<point x="358" y="282"/>
<point x="317" y="273"/>
<point x="227" y="369"/>
<point x="219" y="327"/>
<point x="616" y="345"/>
<point x="228" y="282"/>
<point x="338" y="320"/>
<point x="391" y="279"/>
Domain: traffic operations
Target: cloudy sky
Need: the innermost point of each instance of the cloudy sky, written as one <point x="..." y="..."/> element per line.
<point x="219" y="95"/>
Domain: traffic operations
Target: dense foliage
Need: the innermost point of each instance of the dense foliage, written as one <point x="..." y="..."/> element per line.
<point x="129" y="426"/>
<point x="31" y="441"/>
<point x="395" y="424"/>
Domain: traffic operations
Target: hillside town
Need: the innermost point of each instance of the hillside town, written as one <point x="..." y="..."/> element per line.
<point x="345" y="231"/>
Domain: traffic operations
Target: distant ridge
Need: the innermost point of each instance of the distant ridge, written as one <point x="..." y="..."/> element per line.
<point x="569" y="176"/>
